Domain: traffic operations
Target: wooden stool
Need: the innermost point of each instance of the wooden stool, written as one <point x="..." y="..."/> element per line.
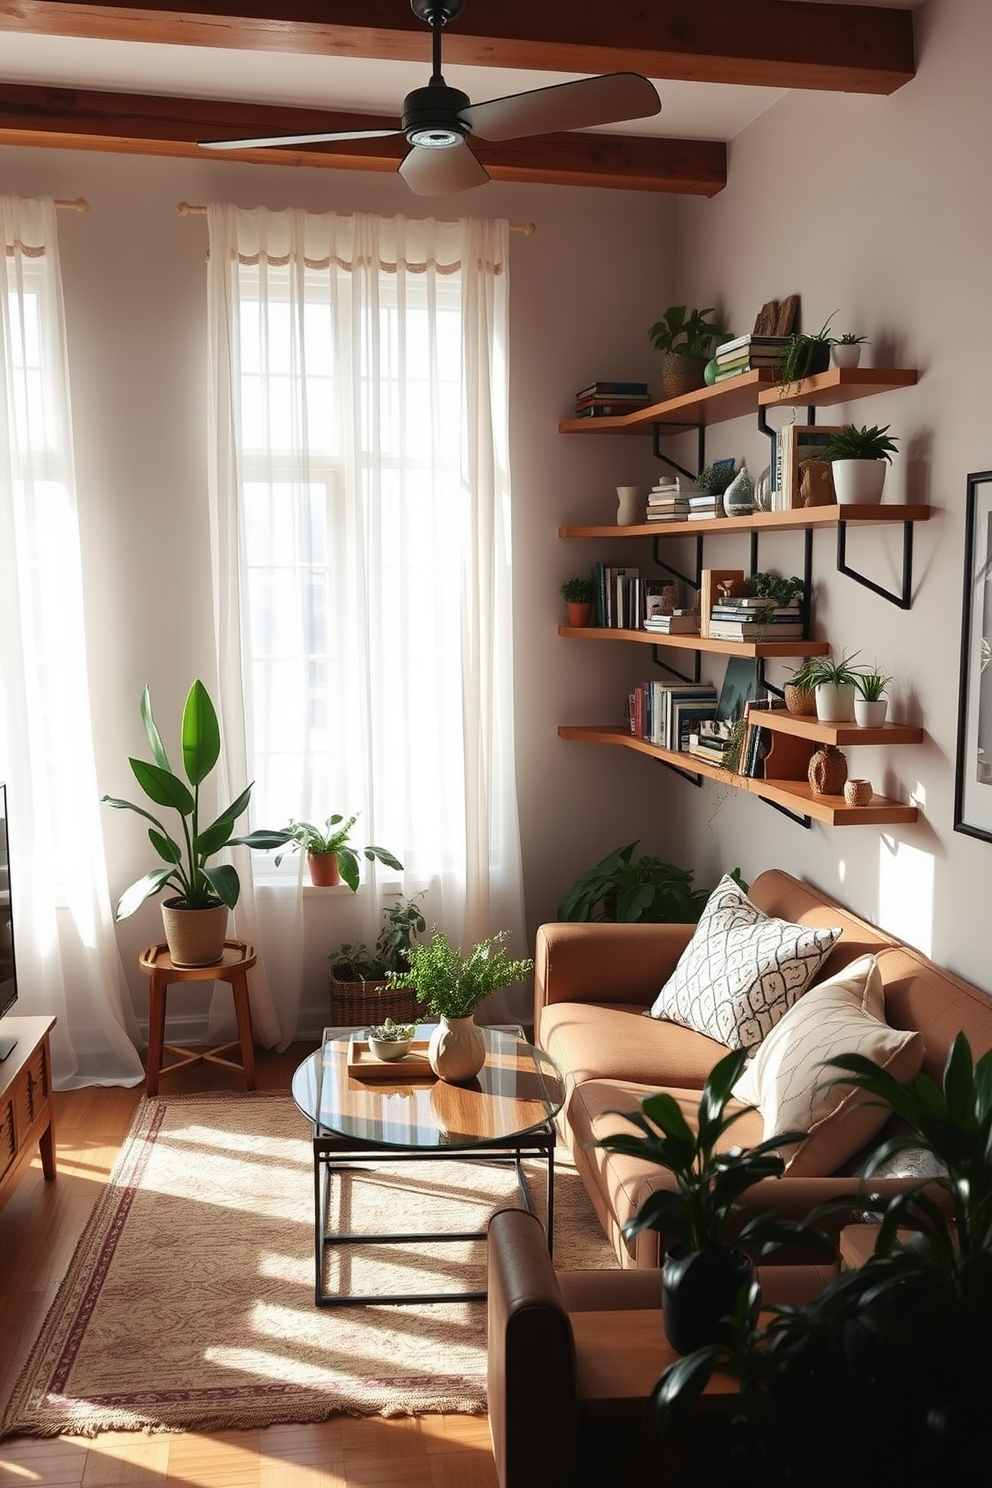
<point x="233" y="966"/>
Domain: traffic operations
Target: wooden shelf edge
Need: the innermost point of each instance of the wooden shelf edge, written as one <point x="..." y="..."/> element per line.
<point x="749" y="649"/>
<point x="802" y="726"/>
<point x="796" y="520"/>
<point x="794" y="795"/>
<point x="838" y="385"/>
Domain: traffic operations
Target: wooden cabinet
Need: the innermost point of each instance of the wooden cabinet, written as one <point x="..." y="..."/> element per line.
<point x="26" y="1115"/>
<point x="784" y="783"/>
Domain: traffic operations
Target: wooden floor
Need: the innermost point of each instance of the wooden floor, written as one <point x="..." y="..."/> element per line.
<point x="39" y="1228"/>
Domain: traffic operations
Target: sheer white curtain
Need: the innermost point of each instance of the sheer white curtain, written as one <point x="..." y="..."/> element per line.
<point x="67" y="957"/>
<point x="361" y="523"/>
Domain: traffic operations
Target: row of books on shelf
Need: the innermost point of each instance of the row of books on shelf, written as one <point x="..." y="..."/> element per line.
<point x="666" y="713"/>
<point x="623" y="600"/>
<point x="715" y="741"/>
<point x="605" y="399"/>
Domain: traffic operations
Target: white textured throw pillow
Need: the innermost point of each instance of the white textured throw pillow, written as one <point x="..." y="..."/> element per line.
<point x="741" y="971"/>
<point x="787" y="1081"/>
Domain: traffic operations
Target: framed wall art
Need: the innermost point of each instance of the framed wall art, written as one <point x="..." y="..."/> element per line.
<point x="973" y="769"/>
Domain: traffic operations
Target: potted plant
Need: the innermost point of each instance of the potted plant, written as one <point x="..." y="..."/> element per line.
<point x="833" y="686"/>
<point x="330" y="856"/>
<point x="859" y="458"/>
<point x="451" y="986"/>
<point x="623" y="888"/>
<point x="389" y="1040"/>
<point x="778" y="590"/>
<point x="799" y="690"/>
<point x="578" y="596"/>
<point x="870" y="704"/>
<point x="195" y="917"/>
<point x="684" y="338"/>
<point x="845" y="350"/>
<point x="715" y="479"/>
<point x="359" y="974"/>
<point x="703" y="1271"/>
<point x="803" y="355"/>
<point x="902" y="1339"/>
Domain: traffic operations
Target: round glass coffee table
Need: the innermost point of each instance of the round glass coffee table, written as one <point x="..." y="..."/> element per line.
<point x="505" y="1114"/>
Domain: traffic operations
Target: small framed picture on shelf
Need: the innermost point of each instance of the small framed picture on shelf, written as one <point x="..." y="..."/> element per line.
<point x="973" y="766"/>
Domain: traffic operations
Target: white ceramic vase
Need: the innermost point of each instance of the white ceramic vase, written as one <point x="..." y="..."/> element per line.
<point x="870" y="713"/>
<point x="835" y="702"/>
<point x="630" y="506"/>
<point x="457" y="1050"/>
<point x="858" y="482"/>
<point x="846" y="355"/>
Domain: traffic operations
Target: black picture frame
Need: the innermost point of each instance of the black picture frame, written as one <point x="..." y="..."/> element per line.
<point x="973" y="764"/>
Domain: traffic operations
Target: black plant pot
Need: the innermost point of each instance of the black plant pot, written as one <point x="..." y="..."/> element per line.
<point x="699" y="1290"/>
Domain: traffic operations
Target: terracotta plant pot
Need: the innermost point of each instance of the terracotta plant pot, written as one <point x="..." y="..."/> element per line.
<point x="324" y="873"/>
<point x="195" y="937"/>
<point x="578" y="614"/>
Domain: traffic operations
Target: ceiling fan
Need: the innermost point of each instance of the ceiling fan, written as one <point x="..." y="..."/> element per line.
<point x="438" y="121"/>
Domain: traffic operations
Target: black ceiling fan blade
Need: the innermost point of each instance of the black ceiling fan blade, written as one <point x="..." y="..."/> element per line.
<point x="430" y="172"/>
<point x="578" y="105"/>
<point x="297" y="139"/>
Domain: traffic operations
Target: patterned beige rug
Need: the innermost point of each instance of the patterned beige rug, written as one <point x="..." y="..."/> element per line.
<point x="189" y="1302"/>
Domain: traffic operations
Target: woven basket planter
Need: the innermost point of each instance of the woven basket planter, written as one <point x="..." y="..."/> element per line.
<point x="356" y="1004"/>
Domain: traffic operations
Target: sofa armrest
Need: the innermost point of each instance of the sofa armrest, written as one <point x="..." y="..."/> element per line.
<point x="605" y="962"/>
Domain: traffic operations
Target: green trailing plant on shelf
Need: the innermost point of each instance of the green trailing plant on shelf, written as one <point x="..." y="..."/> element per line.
<point x="333" y="837"/>
<point x="685" y="332"/>
<point x="803" y="354"/>
<point x="865" y="443"/>
<point x="577" y="591"/>
<point x="622" y="888"/>
<point x="832" y="671"/>
<point x="452" y="985"/>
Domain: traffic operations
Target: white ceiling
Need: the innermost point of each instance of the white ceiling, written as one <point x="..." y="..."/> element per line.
<point x="705" y="111"/>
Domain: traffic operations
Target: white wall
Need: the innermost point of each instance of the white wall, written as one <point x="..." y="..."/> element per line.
<point x="584" y="288"/>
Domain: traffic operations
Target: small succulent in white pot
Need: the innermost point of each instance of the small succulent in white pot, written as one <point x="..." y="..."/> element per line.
<point x="389" y="1040"/>
<point x="858" y="458"/>
<point x="871" y="703"/>
<point x="845" y="350"/>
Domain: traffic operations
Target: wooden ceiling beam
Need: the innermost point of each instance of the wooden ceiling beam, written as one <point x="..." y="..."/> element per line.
<point x="64" y="118"/>
<point x="764" y="43"/>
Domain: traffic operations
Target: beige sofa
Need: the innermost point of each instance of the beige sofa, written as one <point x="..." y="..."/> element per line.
<point x="593" y="984"/>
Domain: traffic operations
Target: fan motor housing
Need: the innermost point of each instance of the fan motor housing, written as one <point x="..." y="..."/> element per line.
<point x="430" y="116"/>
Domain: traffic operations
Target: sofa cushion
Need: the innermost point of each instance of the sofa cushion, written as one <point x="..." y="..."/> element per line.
<point x="742" y="969"/>
<point x="786" y="1079"/>
<point x="611" y="1041"/>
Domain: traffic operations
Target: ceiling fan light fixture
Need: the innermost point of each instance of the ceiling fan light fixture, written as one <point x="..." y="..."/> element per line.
<point x="436" y="139"/>
<point x="430" y="117"/>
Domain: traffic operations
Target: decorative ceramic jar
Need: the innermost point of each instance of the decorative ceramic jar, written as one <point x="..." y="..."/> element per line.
<point x="457" y="1050"/>
<point x="857" y="792"/>
<point x="630" y="506"/>
<point x="738" y="498"/>
<point x="827" y="771"/>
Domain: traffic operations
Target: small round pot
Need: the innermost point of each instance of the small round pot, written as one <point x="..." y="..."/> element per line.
<point x="858" y="792"/>
<point x="835" y="703"/>
<point x="827" y="771"/>
<point x="457" y="1050"/>
<point x="846" y="355"/>
<point x="390" y="1049"/>
<point x="799" y="700"/>
<point x="870" y="713"/>
<point x="578" y="613"/>
<point x="195" y="937"/>
<point x="324" y="871"/>
<point x="699" y="1291"/>
<point x="858" y="482"/>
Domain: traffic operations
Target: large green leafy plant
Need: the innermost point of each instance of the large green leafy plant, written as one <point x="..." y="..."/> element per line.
<point x="186" y="852"/>
<point x="402" y="922"/>
<point x="452" y="985"/>
<point x="622" y="887"/>
<point x="685" y="332"/>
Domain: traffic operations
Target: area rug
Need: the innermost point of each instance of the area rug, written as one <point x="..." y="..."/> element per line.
<point x="188" y="1304"/>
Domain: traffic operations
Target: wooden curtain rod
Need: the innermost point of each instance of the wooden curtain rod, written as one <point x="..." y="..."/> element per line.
<point x="80" y="204"/>
<point x="190" y="209"/>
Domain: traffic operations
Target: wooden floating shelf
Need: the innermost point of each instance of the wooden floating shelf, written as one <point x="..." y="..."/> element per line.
<point x="801" y="726"/>
<point x="742" y="395"/>
<point x="794" y="795"/>
<point x="797" y="520"/>
<point x="697" y="642"/>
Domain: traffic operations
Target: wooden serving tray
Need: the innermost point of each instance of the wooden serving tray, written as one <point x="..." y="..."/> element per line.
<point x="363" y="1065"/>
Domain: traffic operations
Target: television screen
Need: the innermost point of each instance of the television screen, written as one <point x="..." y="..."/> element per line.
<point x="8" y="977"/>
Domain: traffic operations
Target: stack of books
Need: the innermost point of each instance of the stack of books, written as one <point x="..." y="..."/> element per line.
<point x="606" y="399"/>
<point x="709" y="741"/>
<point x="665" y="713"/>
<point x="679" y="622"/>
<point x="668" y="500"/>
<point x="705" y="504"/>
<point x="745" y="617"/>
<point x="748" y="352"/>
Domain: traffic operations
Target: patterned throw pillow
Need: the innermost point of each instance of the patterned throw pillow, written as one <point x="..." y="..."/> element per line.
<point x="741" y="971"/>
<point x="788" y="1083"/>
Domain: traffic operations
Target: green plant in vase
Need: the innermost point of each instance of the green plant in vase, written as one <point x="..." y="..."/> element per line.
<point x="804" y="354"/>
<point x="684" y="338"/>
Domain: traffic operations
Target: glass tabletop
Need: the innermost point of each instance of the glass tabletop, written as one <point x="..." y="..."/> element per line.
<point x="519" y="1089"/>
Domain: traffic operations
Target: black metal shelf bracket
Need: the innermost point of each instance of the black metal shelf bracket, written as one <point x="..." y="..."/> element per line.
<point x="659" y="453"/>
<point x="666" y="666"/>
<point x="903" y="599"/>
<point x="693" y="580"/>
<point x="689" y="775"/>
<point x="799" y="819"/>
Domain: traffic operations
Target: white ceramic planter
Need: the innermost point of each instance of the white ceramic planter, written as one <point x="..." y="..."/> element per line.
<point x="835" y="704"/>
<point x="858" y="482"/>
<point x="846" y="355"/>
<point x="870" y="714"/>
<point x="389" y="1049"/>
<point x="457" y="1050"/>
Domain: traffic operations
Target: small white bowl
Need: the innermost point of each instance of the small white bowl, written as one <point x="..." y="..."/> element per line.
<point x="391" y="1049"/>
